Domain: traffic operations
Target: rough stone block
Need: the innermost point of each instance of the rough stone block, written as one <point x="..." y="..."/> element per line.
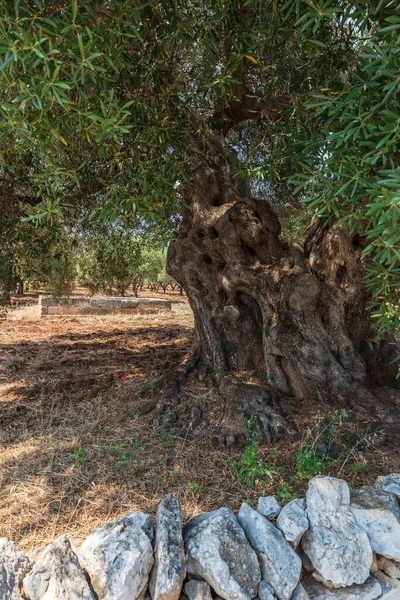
<point x="89" y="305"/>
<point x="64" y="310"/>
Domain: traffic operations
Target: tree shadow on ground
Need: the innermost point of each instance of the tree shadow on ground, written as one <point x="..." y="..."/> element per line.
<point x="78" y="367"/>
<point x="77" y="450"/>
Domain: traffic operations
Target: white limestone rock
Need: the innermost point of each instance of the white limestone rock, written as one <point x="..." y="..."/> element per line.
<point x="197" y="590"/>
<point x="389" y="483"/>
<point x="169" y="568"/>
<point x="369" y="590"/>
<point x="219" y="553"/>
<point x="390" y="567"/>
<point x="280" y="565"/>
<point x="293" y="521"/>
<point x="14" y="565"/>
<point x="265" y="591"/>
<point x="337" y="547"/>
<point x="378" y="513"/>
<point x="57" y="575"/>
<point x="268" y="507"/>
<point x="118" y="557"/>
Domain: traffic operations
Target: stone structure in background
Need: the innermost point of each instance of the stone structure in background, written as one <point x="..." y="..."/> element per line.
<point x="96" y="305"/>
<point x="221" y="556"/>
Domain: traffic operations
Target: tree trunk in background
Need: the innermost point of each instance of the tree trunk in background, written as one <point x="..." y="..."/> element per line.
<point x="292" y="318"/>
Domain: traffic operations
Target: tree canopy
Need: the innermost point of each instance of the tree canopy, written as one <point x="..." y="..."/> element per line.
<point x="99" y="101"/>
<point x="116" y="260"/>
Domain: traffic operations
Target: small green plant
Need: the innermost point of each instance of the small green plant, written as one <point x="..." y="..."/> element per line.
<point x="138" y="442"/>
<point x="273" y="452"/>
<point x="124" y="457"/>
<point x="359" y="467"/>
<point x="79" y="455"/>
<point x="308" y="464"/>
<point x="286" y="491"/>
<point x="173" y="473"/>
<point x="165" y="437"/>
<point x="193" y="488"/>
<point x="251" y="469"/>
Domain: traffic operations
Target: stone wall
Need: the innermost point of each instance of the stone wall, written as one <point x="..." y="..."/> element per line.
<point x="335" y="544"/>
<point x="92" y="305"/>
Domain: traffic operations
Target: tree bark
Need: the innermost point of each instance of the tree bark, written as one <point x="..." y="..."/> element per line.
<point x="275" y="322"/>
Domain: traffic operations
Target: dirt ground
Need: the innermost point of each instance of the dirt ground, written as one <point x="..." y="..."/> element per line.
<point x="78" y="447"/>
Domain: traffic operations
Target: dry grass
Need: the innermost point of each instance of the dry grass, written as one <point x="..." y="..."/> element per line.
<point x="76" y="449"/>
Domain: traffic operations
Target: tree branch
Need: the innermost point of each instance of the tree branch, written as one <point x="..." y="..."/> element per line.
<point x="249" y="106"/>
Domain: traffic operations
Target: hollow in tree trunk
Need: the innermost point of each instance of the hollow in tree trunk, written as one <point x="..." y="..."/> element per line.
<point x="293" y="317"/>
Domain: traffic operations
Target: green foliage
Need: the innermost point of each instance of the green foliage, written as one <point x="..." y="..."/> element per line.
<point x="124" y="458"/>
<point x="33" y="255"/>
<point x="165" y="438"/>
<point x="60" y="277"/>
<point x="350" y="156"/>
<point x="138" y="442"/>
<point x="308" y="464"/>
<point x="110" y="259"/>
<point x="153" y="266"/>
<point x="79" y="455"/>
<point x="110" y="262"/>
<point x="252" y="469"/>
<point x="359" y="467"/>
<point x="99" y="100"/>
<point x="286" y="491"/>
<point x="193" y="488"/>
<point x="294" y="221"/>
<point x="78" y="84"/>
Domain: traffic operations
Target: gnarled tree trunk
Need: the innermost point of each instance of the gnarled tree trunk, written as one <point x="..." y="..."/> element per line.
<point x="294" y="316"/>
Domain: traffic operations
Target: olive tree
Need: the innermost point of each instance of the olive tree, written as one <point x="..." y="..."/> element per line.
<point x="202" y="114"/>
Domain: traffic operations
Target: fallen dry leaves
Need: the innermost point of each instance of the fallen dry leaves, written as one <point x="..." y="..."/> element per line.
<point x="76" y="450"/>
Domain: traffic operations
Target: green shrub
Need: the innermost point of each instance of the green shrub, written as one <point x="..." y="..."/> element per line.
<point x="251" y="469"/>
<point x="308" y="464"/>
